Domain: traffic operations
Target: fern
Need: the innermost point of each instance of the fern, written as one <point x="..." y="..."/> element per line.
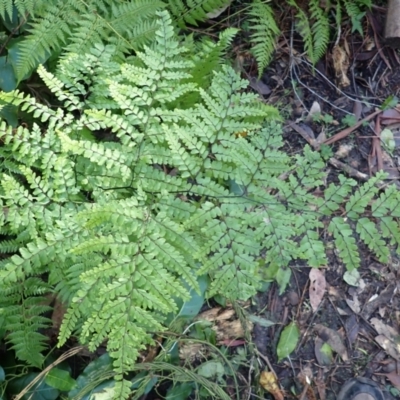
<point x="120" y="229"/>
<point x="265" y="32"/>
<point x="192" y="12"/>
<point x="355" y="11"/>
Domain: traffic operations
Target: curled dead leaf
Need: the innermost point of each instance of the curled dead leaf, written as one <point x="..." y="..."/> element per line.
<point x="341" y="65"/>
<point x="269" y="383"/>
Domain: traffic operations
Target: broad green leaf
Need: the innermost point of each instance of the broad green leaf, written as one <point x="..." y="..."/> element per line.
<point x="288" y="340"/>
<point x="95" y="377"/>
<point x="2" y="375"/>
<point x="181" y="391"/>
<point x="211" y="369"/>
<point x="192" y="307"/>
<point x="283" y="277"/>
<point x="8" y="82"/>
<point x="39" y="391"/>
<point x="60" y="379"/>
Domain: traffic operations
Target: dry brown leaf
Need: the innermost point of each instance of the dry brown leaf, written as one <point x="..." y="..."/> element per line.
<point x="384" y="329"/>
<point x="394" y="379"/>
<point x="225" y="324"/>
<point x="391" y="348"/>
<point x="341" y="65"/>
<point x="269" y="383"/>
<point x="259" y="86"/>
<point x="216" y="314"/>
<point x="189" y="351"/>
<point x="333" y="339"/>
<point x="317" y="287"/>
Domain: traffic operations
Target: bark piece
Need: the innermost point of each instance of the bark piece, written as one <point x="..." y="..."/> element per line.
<point x="392" y="26"/>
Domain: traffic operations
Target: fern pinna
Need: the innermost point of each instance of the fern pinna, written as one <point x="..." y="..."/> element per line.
<point x="120" y="200"/>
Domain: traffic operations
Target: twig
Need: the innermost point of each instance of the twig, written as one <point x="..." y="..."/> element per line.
<point x="348" y="131"/>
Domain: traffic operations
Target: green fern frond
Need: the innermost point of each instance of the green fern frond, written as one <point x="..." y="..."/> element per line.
<point x="320" y="29"/>
<point x="194" y="11"/>
<point x="264" y="33"/>
<point x="355" y="11"/>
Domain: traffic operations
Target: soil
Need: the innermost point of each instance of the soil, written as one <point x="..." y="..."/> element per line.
<point x="295" y="85"/>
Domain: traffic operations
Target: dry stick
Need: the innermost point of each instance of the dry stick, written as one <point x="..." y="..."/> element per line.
<point x="377" y="149"/>
<point x="376" y="39"/>
<point x="349" y="170"/>
<point x="348" y="131"/>
<point x="59" y="360"/>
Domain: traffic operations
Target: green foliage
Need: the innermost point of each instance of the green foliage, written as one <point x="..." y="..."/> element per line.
<point x="48" y="29"/>
<point x="264" y="33"/>
<point x="122" y="198"/>
<point x="314" y="23"/>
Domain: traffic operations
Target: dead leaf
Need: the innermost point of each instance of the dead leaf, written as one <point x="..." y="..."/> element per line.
<point x="333" y="339"/>
<point x="394" y="379"/>
<point x="390" y="116"/>
<point x="259" y="86"/>
<point x="323" y="352"/>
<point x="314" y="111"/>
<point x="317" y="288"/>
<point x="354" y="304"/>
<point x="269" y="383"/>
<point x="341" y="65"/>
<point x="384" y="329"/>
<point x="389" y="346"/>
<point x="225" y="323"/>
<point x="352" y="328"/>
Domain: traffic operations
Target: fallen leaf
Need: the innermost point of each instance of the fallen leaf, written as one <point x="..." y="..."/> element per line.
<point x="352" y="328"/>
<point x="390" y="116"/>
<point x="354" y="304"/>
<point x="341" y="65"/>
<point x="269" y="383"/>
<point x="384" y="329"/>
<point x="317" y="288"/>
<point x="314" y="111"/>
<point x="323" y="352"/>
<point x="389" y="346"/>
<point x="394" y="379"/>
<point x="352" y="277"/>
<point x="259" y="86"/>
<point x="333" y="339"/>
<point x="288" y="340"/>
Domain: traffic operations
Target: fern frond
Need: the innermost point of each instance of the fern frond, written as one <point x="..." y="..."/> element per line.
<point x="320" y="29"/>
<point x="194" y="11"/>
<point x="264" y="33"/>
